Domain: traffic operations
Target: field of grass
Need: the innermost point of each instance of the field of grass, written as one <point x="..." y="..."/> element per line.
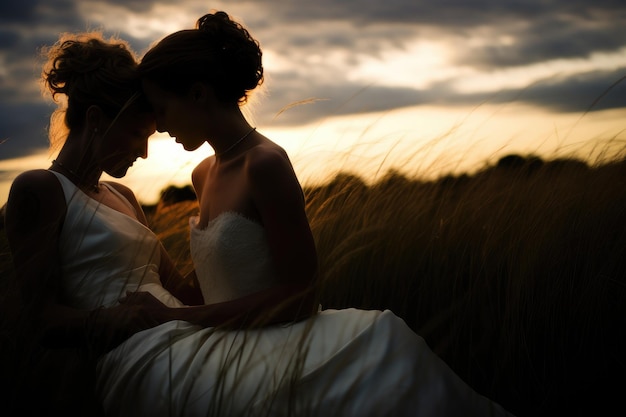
<point x="515" y="275"/>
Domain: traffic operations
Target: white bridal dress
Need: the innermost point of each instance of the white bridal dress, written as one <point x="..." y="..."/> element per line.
<point x="339" y="363"/>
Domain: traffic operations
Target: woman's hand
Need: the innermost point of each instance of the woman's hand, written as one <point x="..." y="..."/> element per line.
<point x="145" y="310"/>
<point x="143" y="300"/>
<point x="106" y="328"/>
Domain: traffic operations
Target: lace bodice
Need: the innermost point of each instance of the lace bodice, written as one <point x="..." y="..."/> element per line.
<point x="231" y="257"/>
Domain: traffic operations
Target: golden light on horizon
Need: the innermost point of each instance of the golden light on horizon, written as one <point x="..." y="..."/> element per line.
<point x="421" y="142"/>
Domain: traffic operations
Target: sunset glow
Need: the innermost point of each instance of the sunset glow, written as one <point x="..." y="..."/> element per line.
<point x="409" y="86"/>
<point x="438" y="142"/>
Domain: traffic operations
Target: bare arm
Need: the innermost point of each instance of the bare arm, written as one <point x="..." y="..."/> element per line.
<point x="280" y="304"/>
<point x="186" y="289"/>
<point x="35" y="213"/>
<point x="34" y="218"/>
<point x="278" y="197"/>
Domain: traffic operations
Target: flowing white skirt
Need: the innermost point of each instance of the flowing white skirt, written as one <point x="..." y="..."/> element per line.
<point x="340" y="363"/>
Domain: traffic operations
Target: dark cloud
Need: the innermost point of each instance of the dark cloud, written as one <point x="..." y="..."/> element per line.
<point x="540" y="30"/>
<point x="23" y="129"/>
<point x="452" y="13"/>
<point x="590" y="91"/>
<point x="30" y="26"/>
<point x="135" y="5"/>
<point x="341" y="99"/>
<point x="517" y="33"/>
<point x="9" y="39"/>
<point x="17" y="11"/>
<point x="548" y="38"/>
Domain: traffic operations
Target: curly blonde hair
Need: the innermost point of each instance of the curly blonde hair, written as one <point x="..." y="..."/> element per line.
<point x="82" y="70"/>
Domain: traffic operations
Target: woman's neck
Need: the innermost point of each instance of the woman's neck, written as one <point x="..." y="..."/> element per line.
<point x="76" y="164"/>
<point x="229" y="133"/>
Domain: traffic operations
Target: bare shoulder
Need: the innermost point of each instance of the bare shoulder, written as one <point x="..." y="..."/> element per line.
<point x="124" y="190"/>
<point x="271" y="174"/>
<point x="132" y="199"/>
<point x="36" y="197"/>
<point x="199" y="172"/>
<point x="35" y="178"/>
<point x="204" y="165"/>
<point x="268" y="160"/>
<point x="37" y="182"/>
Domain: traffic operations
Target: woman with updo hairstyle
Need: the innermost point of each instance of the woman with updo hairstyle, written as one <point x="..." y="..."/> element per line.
<point x="219" y="51"/>
<point x="197" y="81"/>
<point x="251" y="240"/>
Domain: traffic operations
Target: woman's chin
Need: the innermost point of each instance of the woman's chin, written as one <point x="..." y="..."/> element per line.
<point x="189" y="147"/>
<point x="118" y="173"/>
<point x="189" y="144"/>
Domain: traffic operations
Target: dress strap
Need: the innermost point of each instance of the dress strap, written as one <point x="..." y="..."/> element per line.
<point x="121" y="196"/>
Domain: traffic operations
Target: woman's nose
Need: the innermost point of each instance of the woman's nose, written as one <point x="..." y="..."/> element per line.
<point x="143" y="150"/>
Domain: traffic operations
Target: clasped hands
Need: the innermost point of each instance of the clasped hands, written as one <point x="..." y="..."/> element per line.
<point x="106" y="328"/>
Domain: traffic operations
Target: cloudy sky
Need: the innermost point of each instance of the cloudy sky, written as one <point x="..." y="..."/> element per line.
<point x="368" y="74"/>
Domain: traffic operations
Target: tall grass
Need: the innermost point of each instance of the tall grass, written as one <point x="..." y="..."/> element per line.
<point x="515" y="275"/>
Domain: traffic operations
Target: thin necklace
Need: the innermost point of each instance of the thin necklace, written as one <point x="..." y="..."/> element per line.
<point x="230" y="148"/>
<point x="95" y="187"/>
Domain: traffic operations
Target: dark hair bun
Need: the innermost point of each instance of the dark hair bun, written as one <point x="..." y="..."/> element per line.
<point x="219" y="51"/>
<point x="239" y="54"/>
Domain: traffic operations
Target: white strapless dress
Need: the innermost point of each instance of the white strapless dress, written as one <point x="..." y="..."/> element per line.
<point x="339" y="363"/>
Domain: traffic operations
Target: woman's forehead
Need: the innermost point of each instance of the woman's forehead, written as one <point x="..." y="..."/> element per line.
<point x="135" y="116"/>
